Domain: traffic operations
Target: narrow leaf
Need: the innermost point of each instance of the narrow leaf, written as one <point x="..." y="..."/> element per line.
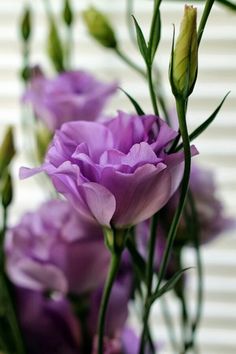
<point x="155" y="35"/>
<point x="168" y="285"/>
<point x="137" y="107"/>
<point x="204" y="125"/>
<point x="141" y="41"/>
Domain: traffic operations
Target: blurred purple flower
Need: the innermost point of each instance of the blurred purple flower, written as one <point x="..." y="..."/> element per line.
<point x="72" y="95"/>
<point x="115" y="173"/>
<point x="210" y="212"/>
<point x="54" y="249"/>
<point x="48" y="325"/>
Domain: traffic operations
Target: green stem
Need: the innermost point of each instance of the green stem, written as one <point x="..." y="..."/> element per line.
<point x="149" y="278"/>
<point x="114" y="266"/>
<point x="152" y="90"/>
<point x="227" y="3"/>
<point x="151" y="252"/>
<point x="181" y="110"/>
<point x="128" y="61"/>
<point x="196" y="242"/>
<point x="169" y="324"/>
<point x="204" y="18"/>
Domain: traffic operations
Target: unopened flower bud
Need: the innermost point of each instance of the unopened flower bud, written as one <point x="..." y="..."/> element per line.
<point x="67" y="13"/>
<point x="26" y="24"/>
<point x="7" y="150"/>
<point x="185" y="57"/>
<point x="55" y="49"/>
<point x="100" y="28"/>
<point x="43" y="138"/>
<point x="7" y="190"/>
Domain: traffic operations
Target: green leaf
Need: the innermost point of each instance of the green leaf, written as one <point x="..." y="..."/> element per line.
<point x="141" y="41"/>
<point x="155" y="35"/>
<point x="169" y="285"/>
<point x="137" y="107"/>
<point x="204" y="125"/>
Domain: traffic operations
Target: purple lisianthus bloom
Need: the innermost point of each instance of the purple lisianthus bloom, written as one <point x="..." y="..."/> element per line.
<point x="72" y="95"/>
<point x="117" y="172"/>
<point x="54" y="249"/>
<point x="210" y="214"/>
<point x="48" y="325"/>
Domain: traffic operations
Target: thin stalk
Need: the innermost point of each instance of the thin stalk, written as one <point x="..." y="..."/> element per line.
<point x="204" y="18"/>
<point x="169" y="324"/>
<point x="128" y="61"/>
<point x="181" y="110"/>
<point x="152" y="90"/>
<point x="196" y="242"/>
<point x="185" y="321"/>
<point x="151" y="252"/>
<point x="226" y="3"/>
<point x="149" y="279"/>
<point x="113" y="269"/>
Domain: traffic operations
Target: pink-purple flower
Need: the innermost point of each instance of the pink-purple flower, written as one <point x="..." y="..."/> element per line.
<point x="72" y="95"/>
<point x="53" y="249"/>
<point x="210" y="214"/>
<point x="115" y="173"/>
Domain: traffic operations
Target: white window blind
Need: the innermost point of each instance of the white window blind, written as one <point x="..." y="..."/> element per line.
<point x="217" y="146"/>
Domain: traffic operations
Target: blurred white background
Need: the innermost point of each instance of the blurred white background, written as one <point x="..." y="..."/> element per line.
<point x="217" y="146"/>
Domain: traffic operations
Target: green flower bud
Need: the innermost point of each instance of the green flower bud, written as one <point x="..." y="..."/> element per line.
<point x="26" y="24"/>
<point x="67" y="13"/>
<point x="100" y="28"/>
<point x="43" y="138"/>
<point x="185" y="57"/>
<point x="55" y="49"/>
<point x="7" y="190"/>
<point x="7" y="150"/>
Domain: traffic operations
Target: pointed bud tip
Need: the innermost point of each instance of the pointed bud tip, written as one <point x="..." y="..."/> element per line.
<point x="99" y="27"/>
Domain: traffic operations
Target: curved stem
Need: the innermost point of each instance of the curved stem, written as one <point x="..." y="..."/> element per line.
<point x="152" y="90"/>
<point x="181" y="110"/>
<point x="128" y="61"/>
<point x="169" y="324"/>
<point x="113" y="269"/>
<point x="149" y="278"/>
<point x="205" y="15"/>
<point x="195" y="232"/>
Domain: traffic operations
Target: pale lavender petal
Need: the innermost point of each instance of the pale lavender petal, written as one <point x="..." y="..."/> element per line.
<point x="138" y="195"/>
<point x="100" y="201"/>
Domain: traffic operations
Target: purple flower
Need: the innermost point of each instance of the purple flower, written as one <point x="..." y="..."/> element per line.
<point x="48" y="325"/>
<point x="210" y="213"/>
<point x="73" y="95"/>
<point x="54" y="249"/>
<point x="115" y="173"/>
